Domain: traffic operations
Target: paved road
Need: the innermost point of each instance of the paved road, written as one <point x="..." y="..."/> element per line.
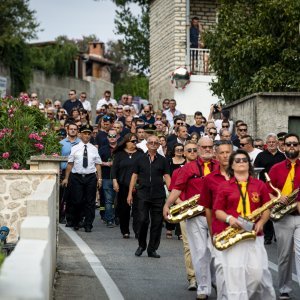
<point x="136" y="277"/>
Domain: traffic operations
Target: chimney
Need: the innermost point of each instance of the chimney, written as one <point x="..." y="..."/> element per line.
<point x="96" y="48"/>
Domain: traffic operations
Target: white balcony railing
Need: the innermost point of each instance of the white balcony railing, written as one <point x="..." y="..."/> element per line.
<point x="199" y="61"/>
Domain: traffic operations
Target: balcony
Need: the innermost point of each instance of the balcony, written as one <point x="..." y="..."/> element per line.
<point x="199" y="62"/>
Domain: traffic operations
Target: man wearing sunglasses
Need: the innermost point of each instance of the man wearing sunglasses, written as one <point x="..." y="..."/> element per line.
<point x="246" y="143"/>
<point x="150" y="170"/>
<point x="190" y="181"/>
<point x="147" y="116"/>
<point x="242" y="130"/>
<point x="72" y="102"/>
<point x="286" y="177"/>
<point x="105" y="153"/>
<point x="106" y="100"/>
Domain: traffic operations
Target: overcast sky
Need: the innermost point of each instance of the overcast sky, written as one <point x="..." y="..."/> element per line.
<point x="75" y="18"/>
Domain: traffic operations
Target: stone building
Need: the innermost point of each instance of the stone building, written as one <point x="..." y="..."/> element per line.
<point x="169" y="45"/>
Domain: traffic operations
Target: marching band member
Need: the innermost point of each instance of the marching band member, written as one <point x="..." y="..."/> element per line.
<point x="286" y="177"/>
<point x="245" y="265"/>
<point x="208" y="195"/>
<point x="189" y="181"/>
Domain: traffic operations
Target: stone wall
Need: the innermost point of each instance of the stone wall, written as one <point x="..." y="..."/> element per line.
<point x="168" y="28"/>
<point x="57" y="88"/>
<point x="266" y="112"/>
<point x="15" y="187"/>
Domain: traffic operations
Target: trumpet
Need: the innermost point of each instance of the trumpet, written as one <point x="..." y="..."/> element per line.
<point x="185" y="210"/>
<point x="230" y="236"/>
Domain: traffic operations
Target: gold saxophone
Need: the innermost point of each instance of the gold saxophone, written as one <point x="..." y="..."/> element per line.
<point x="185" y="210"/>
<point x="230" y="236"/>
<point x="280" y="210"/>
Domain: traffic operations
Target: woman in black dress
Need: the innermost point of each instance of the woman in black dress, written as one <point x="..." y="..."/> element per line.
<point x="125" y="157"/>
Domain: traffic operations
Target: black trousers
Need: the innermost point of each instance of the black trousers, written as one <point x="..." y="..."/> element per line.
<point x="83" y="192"/>
<point x="269" y="230"/>
<point x="150" y="210"/>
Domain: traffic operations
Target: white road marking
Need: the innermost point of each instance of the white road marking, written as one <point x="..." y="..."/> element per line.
<point x="108" y="284"/>
<point x="274" y="267"/>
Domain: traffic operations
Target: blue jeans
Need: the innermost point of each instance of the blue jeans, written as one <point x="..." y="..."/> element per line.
<point x="109" y="197"/>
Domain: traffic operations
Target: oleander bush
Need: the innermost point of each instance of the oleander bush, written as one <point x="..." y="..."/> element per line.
<point x="23" y="133"/>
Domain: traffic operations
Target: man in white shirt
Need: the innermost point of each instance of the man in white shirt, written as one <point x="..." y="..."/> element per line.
<point x="172" y="112"/>
<point x="86" y="103"/>
<point x="246" y="144"/>
<point x="85" y="170"/>
<point x="106" y="100"/>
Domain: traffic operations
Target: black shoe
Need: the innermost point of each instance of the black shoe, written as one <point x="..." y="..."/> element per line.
<point x="153" y="254"/>
<point x="268" y="242"/>
<point x="117" y="221"/>
<point x="139" y="251"/>
<point x="284" y="296"/>
<point x="88" y="229"/>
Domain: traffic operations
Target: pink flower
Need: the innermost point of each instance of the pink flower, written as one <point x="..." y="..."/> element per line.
<point x="39" y="146"/>
<point x="5" y="155"/>
<point x="43" y="133"/>
<point x="15" y="166"/>
<point x="35" y="136"/>
<point x="55" y="154"/>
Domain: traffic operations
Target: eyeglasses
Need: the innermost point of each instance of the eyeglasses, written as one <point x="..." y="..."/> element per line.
<point x="180" y="124"/>
<point x="61" y="111"/>
<point x="178" y="150"/>
<point x="243" y="144"/>
<point x="83" y="97"/>
<point x="112" y="135"/>
<point x="213" y="133"/>
<point x="294" y="144"/>
<point x="71" y="94"/>
<point x="241" y="159"/>
<point x="190" y="150"/>
<point x="133" y="141"/>
<point x="243" y="129"/>
<point x="225" y="126"/>
<point x="258" y="146"/>
<point x="153" y="143"/>
<point x="206" y="147"/>
<point x="127" y="110"/>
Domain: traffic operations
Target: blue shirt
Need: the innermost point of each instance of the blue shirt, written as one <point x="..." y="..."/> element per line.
<point x="66" y="149"/>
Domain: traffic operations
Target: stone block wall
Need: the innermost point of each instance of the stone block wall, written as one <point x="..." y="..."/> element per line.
<point x="168" y="27"/>
<point x="15" y="187"/>
<point x="266" y="112"/>
<point x="205" y="10"/>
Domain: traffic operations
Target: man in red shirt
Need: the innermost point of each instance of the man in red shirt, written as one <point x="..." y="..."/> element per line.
<point x="209" y="193"/>
<point x="190" y="181"/>
<point x="286" y="177"/>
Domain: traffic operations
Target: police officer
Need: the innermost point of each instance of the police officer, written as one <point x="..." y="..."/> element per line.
<point x="85" y="170"/>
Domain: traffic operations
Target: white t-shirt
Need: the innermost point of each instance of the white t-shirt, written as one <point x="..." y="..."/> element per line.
<point x="103" y="101"/>
<point x="253" y="155"/>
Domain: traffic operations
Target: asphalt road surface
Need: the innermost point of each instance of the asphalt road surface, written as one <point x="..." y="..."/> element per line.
<point x="135" y="277"/>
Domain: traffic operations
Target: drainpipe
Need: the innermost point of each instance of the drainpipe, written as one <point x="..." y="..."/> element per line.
<point x="187" y="56"/>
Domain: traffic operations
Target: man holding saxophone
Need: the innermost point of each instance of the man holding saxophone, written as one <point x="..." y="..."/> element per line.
<point x="286" y="177"/>
<point x="190" y="181"/>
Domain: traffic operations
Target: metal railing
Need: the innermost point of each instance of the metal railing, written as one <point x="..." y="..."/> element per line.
<point x="199" y="61"/>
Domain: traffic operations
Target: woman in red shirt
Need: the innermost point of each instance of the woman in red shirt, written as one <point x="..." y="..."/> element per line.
<point x="245" y="264"/>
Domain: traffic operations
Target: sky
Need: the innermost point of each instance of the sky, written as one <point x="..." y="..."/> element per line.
<point x="75" y="18"/>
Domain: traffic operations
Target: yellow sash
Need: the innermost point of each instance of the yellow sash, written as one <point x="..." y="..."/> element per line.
<point x="240" y="209"/>
<point x="206" y="168"/>
<point x="288" y="185"/>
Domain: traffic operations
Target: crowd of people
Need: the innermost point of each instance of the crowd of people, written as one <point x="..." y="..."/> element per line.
<point x="132" y="157"/>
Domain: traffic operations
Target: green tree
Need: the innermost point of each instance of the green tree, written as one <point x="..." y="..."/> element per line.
<point x="18" y="25"/>
<point x="135" y="32"/>
<point x="255" y="47"/>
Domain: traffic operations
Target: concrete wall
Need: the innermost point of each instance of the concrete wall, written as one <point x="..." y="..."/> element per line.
<point x="57" y="88"/>
<point x="28" y="272"/>
<point x="266" y="112"/>
<point x="168" y="27"/>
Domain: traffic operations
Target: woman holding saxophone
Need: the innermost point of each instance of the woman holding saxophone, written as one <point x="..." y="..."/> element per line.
<point x="245" y="264"/>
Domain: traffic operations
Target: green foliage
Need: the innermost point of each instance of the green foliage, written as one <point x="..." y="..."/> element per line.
<point x="18" y="24"/>
<point x="135" y="32"/>
<point x="255" y="47"/>
<point x="137" y="85"/>
<point x="23" y="134"/>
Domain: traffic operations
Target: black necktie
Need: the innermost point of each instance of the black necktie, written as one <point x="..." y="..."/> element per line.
<point x="85" y="157"/>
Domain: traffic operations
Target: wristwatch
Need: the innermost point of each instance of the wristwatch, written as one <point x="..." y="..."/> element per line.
<point x="228" y="218"/>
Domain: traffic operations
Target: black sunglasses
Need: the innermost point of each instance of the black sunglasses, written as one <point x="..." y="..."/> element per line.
<point x="133" y="141"/>
<point x="294" y="144"/>
<point x="241" y="159"/>
<point x="190" y="150"/>
<point x="112" y="135"/>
